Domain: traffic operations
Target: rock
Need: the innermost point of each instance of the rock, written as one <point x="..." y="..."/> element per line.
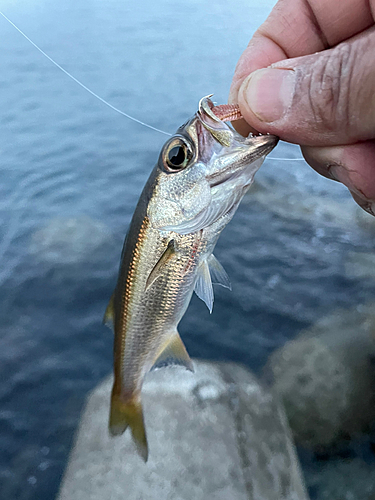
<point x="302" y="195"/>
<point x="215" y="434"/>
<point x="301" y="205"/>
<point x="326" y="379"/>
<point x="70" y="240"/>
<point x="343" y="480"/>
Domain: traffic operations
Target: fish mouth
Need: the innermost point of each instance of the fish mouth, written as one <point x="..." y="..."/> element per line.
<point x="237" y="153"/>
<point x="216" y="127"/>
<point x="252" y="149"/>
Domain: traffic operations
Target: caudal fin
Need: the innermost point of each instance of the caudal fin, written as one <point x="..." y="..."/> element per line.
<point x="126" y="413"/>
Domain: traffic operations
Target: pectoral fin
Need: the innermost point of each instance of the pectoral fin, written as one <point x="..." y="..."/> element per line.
<point x="218" y="274"/>
<point x="203" y="286"/>
<point x="159" y="267"/>
<point x="109" y="315"/>
<point x="173" y="352"/>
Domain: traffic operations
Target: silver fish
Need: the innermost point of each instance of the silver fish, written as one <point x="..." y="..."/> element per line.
<point x="202" y="174"/>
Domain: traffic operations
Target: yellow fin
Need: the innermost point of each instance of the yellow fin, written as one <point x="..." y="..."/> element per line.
<point x="173" y="352"/>
<point x="126" y="413"/>
<point x="109" y="315"/>
<point x="161" y="263"/>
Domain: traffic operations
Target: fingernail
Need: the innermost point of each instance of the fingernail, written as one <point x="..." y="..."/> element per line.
<point x="369" y="208"/>
<point x="366" y="205"/>
<point x="331" y="172"/>
<point x="269" y="93"/>
<point x="340" y="174"/>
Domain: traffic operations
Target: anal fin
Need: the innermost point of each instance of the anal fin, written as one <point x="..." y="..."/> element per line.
<point x="173" y="352"/>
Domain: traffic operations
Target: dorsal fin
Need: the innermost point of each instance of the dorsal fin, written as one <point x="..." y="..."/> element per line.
<point x="173" y="352"/>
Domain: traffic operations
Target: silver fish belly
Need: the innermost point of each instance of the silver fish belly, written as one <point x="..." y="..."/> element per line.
<point x="193" y="192"/>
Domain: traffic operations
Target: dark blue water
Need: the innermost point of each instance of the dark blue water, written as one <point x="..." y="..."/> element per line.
<point x="71" y="171"/>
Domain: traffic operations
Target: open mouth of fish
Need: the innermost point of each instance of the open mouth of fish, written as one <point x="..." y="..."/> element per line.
<point x="213" y="118"/>
<point x="264" y="144"/>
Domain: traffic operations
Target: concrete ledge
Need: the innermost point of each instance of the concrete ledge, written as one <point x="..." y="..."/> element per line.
<point x="215" y="434"/>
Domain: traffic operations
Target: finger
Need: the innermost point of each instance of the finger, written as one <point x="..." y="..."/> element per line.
<point x="365" y="205"/>
<point x="319" y="99"/>
<point x="295" y="28"/>
<point x="353" y="165"/>
<point x="300" y="27"/>
<point x="261" y="52"/>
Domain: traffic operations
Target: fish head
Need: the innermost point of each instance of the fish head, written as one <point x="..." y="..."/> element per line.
<point x="203" y="172"/>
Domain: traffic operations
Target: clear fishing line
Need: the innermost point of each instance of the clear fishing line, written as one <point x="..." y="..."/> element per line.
<point x="100" y="98"/>
<point x="80" y="83"/>
<point x="284" y="159"/>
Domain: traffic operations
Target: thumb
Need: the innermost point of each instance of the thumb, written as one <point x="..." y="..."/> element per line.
<point x="327" y="98"/>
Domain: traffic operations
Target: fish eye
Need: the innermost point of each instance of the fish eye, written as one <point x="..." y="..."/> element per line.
<point x="177" y="155"/>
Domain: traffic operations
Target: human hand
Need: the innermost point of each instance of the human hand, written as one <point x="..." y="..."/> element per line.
<point x="318" y="89"/>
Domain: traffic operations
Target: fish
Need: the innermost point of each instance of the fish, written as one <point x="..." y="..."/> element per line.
<point x="202" y="173"/>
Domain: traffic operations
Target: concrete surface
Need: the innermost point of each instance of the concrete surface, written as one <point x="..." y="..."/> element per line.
<point x="216" y="434"/>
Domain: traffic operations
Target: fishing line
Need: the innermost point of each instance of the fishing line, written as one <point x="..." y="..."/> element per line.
<point x="100" y="98"/>
<point x="80" y="83"/>
<point x="284" y="159"/>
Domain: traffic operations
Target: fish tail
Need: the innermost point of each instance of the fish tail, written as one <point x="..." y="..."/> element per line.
<point x="128" y="413"/>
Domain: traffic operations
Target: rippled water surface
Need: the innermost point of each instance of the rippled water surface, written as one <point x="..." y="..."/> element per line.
<point x="70" y="175"/>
